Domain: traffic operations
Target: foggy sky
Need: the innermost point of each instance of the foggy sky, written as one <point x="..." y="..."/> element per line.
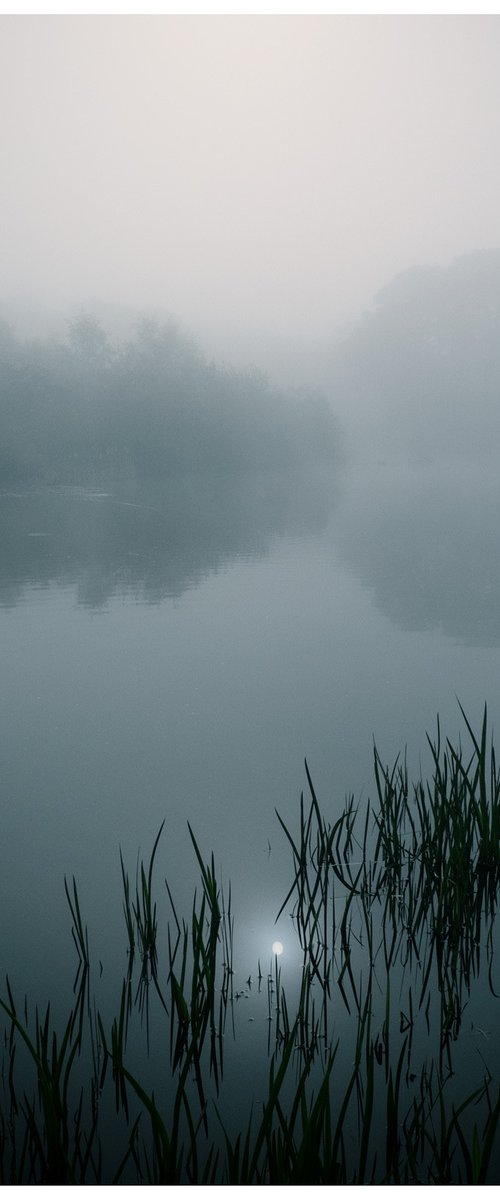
<point x="256" y="171"/>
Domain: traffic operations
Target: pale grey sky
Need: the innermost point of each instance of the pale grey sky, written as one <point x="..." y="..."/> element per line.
<point x="261" y="171"/>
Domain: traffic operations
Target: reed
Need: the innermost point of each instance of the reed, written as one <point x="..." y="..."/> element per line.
<point x="394" y="911"/>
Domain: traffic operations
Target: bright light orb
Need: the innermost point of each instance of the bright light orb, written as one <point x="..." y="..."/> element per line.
<point x="277" y="947"/>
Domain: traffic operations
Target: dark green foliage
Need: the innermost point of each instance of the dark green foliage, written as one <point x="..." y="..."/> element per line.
<point x="394" y="915"/>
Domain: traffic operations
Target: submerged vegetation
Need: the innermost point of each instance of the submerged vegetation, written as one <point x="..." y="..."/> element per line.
<point x="377" y="1069"/>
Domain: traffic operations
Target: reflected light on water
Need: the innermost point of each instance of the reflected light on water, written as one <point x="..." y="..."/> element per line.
<point x="277" y="947"/>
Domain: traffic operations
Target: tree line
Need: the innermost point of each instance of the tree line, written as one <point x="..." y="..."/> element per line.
<point x="83" y="407"/>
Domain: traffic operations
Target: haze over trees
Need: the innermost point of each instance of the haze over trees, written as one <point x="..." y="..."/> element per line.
<point x="420" y="373"/>
<point x="418" y="376"/>
<point x="151" y="405"/>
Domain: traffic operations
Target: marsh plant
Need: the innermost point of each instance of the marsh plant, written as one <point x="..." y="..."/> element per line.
<point x="374" y="1068"/>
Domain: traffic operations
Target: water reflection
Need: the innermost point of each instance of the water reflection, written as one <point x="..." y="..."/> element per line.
<point x="151" y="539"/>
<point x="425" y="540"/>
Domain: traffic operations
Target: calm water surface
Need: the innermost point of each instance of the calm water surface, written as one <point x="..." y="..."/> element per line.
<point x="175" y="652"/>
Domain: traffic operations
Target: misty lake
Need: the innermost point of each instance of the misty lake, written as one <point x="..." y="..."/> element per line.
<point x="174" y="651"/>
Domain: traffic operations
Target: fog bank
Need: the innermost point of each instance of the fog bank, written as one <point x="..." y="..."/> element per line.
<point x="251" y="172"/>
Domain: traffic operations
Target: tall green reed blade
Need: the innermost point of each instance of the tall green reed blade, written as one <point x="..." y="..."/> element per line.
<point x="145" y="914"/>
<point x="53" y="1065"/>
<point x="299" y="1149"/>
<point x="393" y="1144"/>
<point x="128" y="909"/>
<point x="167" y="1161"/>
<point x="211" y="892"/>
<point x="275" y="1085"/>
<point x="79" y="933"/>
<point x="142" y="930"/>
